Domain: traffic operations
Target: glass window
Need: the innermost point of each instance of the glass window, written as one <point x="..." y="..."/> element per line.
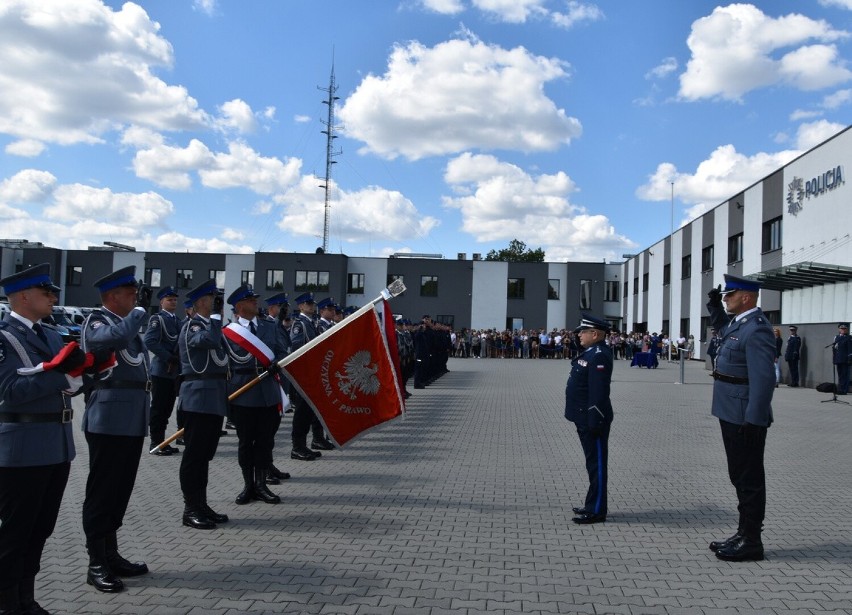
<point x="247" y="277"/>
<point x="610" y="291"/>
<point x="312" y="281"/>
<point x="686" y="267"/>
<point x="553" y="289"/>
<point x="772" y="235"/>
<point x="644" y="282"/>
<point x="515" y="288"/>
<point x="183" y="278"/>
<point x="626" y="286"/>
<point x="73" y="275"/>
<point x="446" y="319"/>
<point x="153" y="277"/>
<point x="735" y="248"/>
<point x="219" y="276"/>
<point x="585" y="294"/>
<point x="428" y="286"/>
<point x="356" y="284"/>
<point x="274" y="279"/>
<point x="707" y="258"/>
<point x="636" y="285"/>
<point x="667" y="274"/>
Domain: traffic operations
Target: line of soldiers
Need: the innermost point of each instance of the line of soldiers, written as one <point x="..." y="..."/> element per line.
<point x="432" y="349"/>
<point x="128" y="396"/>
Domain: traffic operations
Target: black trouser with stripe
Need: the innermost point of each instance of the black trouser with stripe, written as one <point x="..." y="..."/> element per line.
<point x="304" y="422"/>
<point x="163" y="395"/>
<point x="113" y="462"/>
<point x="201" y="437"/>
<point x="256" y="427"/>
<point x="596" y="451"/>
<point x="745" y="469"/>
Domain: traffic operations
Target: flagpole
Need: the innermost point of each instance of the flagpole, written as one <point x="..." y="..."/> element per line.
<point x="397" y="287"/>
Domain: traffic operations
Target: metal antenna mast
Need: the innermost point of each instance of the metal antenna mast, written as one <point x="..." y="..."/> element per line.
<point x="329" y="151"/>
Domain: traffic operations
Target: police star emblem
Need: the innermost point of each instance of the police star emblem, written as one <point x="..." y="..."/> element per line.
<point x="795" y="195"/>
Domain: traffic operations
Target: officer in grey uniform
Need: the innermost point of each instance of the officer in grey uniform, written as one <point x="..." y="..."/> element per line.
<point x="161" y="339"/>
<point x="35" y="430"/>
<point x="115" y="423"/>
<point x="204" y="400"/>
<point x="256" y="412"/>
<point x="278" y="311"/>
<point x="302" y="331"/>
<point x="742" y="401"/>
<point x="588" y="406"/>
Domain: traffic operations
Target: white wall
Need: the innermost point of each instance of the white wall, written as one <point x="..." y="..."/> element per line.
<point x="375" y="272"/>
<point x="235" y="264"/>
<point x="753" y="229"/>
<point x="488" y="305"/>
<point x="656" y="290"/>
<point x="556" y="309"/>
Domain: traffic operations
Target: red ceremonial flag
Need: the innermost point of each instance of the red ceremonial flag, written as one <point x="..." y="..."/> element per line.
<point x="348" y="377"/>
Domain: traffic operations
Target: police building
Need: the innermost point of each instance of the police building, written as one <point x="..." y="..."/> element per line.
<point x="790" y="230"/>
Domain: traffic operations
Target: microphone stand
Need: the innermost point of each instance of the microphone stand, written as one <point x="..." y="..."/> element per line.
<point x="834" y="382"/>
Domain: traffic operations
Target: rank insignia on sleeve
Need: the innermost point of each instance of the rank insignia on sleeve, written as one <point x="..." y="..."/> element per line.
<point x="195" y="328"/>
<point x="583" y="362"/>
<point x="155" y="322"/>
<point x="96" y="323"/>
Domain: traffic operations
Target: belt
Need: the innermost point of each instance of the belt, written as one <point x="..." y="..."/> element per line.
<point x="63" y="416"/>
<point x="144" y="385"/>
<point x="730" y="379"/>
<point x="219" y="376"/>
<point x="249" y="370"/>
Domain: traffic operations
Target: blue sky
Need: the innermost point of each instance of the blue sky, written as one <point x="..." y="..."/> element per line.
<point x="187" y="125"/>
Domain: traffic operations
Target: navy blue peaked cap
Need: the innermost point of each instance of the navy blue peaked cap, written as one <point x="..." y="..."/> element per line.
<point x="123" y="277"/>
<point x="37" y="276"/>
<point x="279" y="299"/>
<point x="168" y="291"/>
<point x="734" y="283"/>
<point x="202" y="290"/>
<point x="305" y="298"/>
<point x="243" y="292"/>
<point x="328" y="302"/>
<point x="592" y="322"/>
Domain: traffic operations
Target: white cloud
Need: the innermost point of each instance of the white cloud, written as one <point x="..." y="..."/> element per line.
<point x="27" y="148"/>
<point x="169" y="166"/>
<point x="736" y="49"/>
<point x="844" y="4"/>
<point x="232" y="234"/>
<point x="301" y="119"/>
<point x="458" y="95"/>
<point x="499" y="200"/>
<point x="803" y="114"/>
<point x="837" y="99"/>
<point x="244" y="167"/>
<point x="372" y="213"/>
<point x="27" y="186"/>
<point x="511" y="11"/>
<point x="811" y="135"/>
<point x="444" y="7"/>
<point x="205" y="6"/>
<point x="663" y="69"/>
<point x="76" y="201"/>
<point x="71" y="71"/>
<point x="237" y="115"/>
<point x="577" y="12"/>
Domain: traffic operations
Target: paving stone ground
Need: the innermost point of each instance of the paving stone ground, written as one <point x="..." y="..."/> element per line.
<point x="464" y="507"/>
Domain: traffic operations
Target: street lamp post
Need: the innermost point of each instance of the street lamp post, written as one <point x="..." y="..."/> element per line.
<point x="671" y="291"/>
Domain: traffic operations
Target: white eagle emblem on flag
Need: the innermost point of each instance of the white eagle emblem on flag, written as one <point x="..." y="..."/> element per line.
<point x="359" y="375"/>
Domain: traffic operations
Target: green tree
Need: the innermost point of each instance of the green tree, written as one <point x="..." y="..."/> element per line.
<point x="517" y="252"/>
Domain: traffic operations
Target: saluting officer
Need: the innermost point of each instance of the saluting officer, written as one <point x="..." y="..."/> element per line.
<point x="204" y="400"/>
<point x="742" y="398"/>
<point x="38" y="443"/>
<point x="161" y="338"/>
<point x="256" y="412"/>
<point x="588" y="406"/>
<point x="842" y="357"/>
<point x="115" y="423"/>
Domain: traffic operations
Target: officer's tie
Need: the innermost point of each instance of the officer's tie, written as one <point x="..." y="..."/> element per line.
<point x="252" y="328"/>
<point x="38" y="330"/>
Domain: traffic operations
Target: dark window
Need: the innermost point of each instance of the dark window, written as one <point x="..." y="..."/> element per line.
<point x="626" y="286"/>
<point x="686" y="267"/>
<point x="515" y="288"/>
<point x="684" y="327"/>
<point x="667" y="274"/>
<point x="312" y="281"/>
<point x="153" y="277"/>
<point x="247" y="277"/>
<point x="446" y="319"/>
<point x="644" y="282"/>
<point x="707" y="258"/>
<point x="772" y="235"/>
<point x="356" y="284"/>
<point x="73" y="275"/>
<point x="219" y="276"/>
<point x="704" y="333"/>
<point x="610" y="291"/>
<point x="428" y="286"/>
<point x="183" y="278"/>
<point x="585" y="294"/>
<point x="553" y="289"/>
<point x="274" y="279"/>
<point x="636" y="286"/>
<point x="735" y="248"/>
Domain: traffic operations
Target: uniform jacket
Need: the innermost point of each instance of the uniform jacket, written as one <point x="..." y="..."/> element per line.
<point x="203" y="353"/>
<point x="842" y="349"/>
<point x="587" y="400"/>
<point x="794" y="348"/>
<point x="713" y="347"/>
<point x="119" y="411"/>
<point x="245" y="368"/>
<point x="161" y="338"/>
<point x="324" y="325"/>
<point x="31" y="444"/>
<point x="302" y="331"/>
<point x="747" y="350"/>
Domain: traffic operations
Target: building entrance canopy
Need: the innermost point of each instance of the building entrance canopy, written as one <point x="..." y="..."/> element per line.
<point x="802" y="275"/>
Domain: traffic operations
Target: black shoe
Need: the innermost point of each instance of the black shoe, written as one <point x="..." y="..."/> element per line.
<point x="718" y="544"/>
<point x="261" y="491"/>
<point x="162" y="452"/>
<point x="179" y="442"/>
<point x="579" y="510"/>
<point x="588" y="518"/>
<point x="213" y="515"/>
<point x="30" y="607"/>
<point x="198" y="520"/>
<point x="246" y="495"/>
<point x="122" y="568"/>
<point x="172" y="450"/>
<point x="419" y="386"/>
<point x="741" y="550"/>
<point x="103" y="580"/>
<point x="322" y="444"/>
<point x="273" y="471"/>
<point x="793" y="386"/>
<point x="271" y="480"/>
<point x="303" y="453"/>
<point x="289" y="410"/>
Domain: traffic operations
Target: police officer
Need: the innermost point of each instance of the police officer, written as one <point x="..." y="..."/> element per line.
<point x="327" y="310"/>
<point x="278" y="310"/>
<point x="256" y="412"/>
<point x="161" y="339"/>
<point x="792" y="354"/>
<point x="115" y="423"/>
<point x="713" y="347"/>
<point x="842" y="347"/>
<point x="204" y="400"/>
<point x="301" y="332"/>
<point x="588" y="406"/>
<point x="38" y="443"/>
<point x="742" y="398"/>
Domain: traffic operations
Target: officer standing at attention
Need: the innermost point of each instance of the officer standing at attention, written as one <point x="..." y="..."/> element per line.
<point x="842" y="357"/>
<point x="204" y="400"/>
<point x="115" y="423"/>
<point x="255" y="412"/>
<point x="742" y="398"/>
<point x="278" y="310"/>
<point x="303" y="331"/>
<point x="588" y="406"/>
<point x="38" y="443"/>
<point x="161" y="339"/>
<point x="792" y="354"/>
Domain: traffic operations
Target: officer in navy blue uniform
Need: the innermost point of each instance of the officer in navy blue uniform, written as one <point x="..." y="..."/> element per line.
<point x="36" y="439"/>
<point x="204" y="368"/>
<point x="792" y="355"/>
<point x="256" y="412"/>
<point x="303" y="331"/>
<point x="278" y="310"/>
<point x="842" y="357"/>
<point x="115" y="423"/>
<point x="588" y="406"/>
<point x="742" y="401"/>
<point x="327" y="309"/>
<point x="713" y="347"/>
<point x="161" y="339"/>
